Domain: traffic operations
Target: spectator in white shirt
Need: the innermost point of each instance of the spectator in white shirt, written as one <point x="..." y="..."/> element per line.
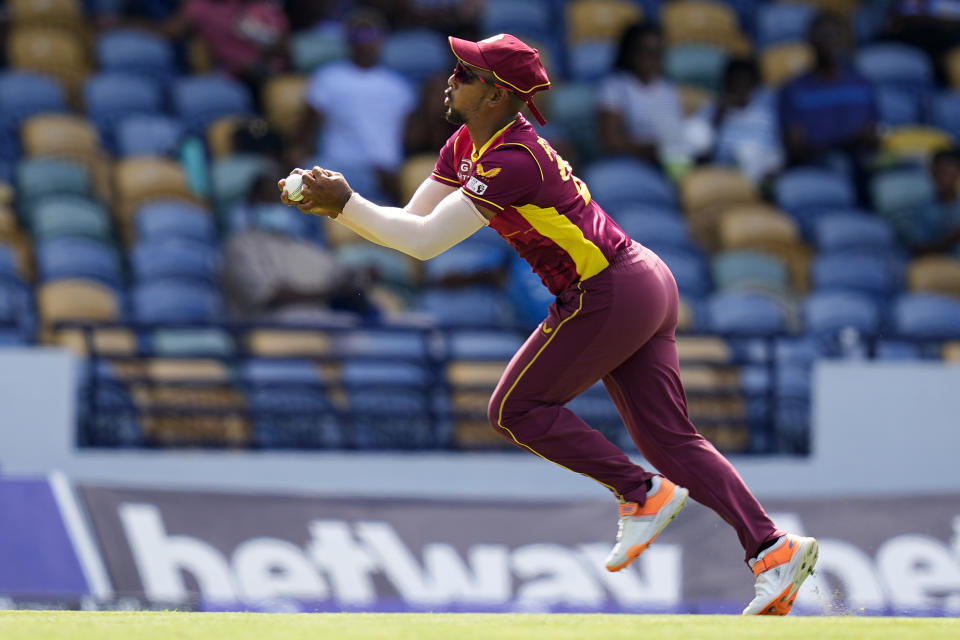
<point x="639" y="111"/>
<point x="359" y="107"/>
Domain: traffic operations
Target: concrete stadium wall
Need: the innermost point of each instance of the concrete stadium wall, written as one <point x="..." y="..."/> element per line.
<point x="879" y="428"/>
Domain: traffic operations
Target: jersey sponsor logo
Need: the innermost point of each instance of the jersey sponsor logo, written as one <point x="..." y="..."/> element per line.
<point x="465" y="168"/>
<point x="489" y="173"/>
<point x="476" y="186"/>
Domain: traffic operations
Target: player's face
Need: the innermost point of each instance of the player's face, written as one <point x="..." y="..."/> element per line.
<point x="466" y="90"/>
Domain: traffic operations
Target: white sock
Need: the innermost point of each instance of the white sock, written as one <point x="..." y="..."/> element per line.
<point x="654" y="485"/>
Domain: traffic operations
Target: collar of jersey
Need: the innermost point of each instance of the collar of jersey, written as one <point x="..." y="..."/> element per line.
<point x="476" y="155"/>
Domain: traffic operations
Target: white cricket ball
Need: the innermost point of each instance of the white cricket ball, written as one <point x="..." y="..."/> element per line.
<point x="292" y="186"/>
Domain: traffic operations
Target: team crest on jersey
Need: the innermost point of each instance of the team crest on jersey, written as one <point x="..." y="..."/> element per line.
<point x="465" y="168"/>
<point x="476" y="186"/>
<point x="489" y="173"/>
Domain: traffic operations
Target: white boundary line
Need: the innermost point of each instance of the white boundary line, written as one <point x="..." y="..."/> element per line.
<point x="83" y="544"/>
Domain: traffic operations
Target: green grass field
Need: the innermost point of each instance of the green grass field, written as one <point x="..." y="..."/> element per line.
<point x="84" y="625"/>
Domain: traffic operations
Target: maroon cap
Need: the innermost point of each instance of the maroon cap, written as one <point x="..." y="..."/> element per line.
<point x="515" y="65"/>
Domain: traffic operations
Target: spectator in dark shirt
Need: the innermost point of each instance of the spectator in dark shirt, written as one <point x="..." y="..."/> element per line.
<point x="935" y="228"/>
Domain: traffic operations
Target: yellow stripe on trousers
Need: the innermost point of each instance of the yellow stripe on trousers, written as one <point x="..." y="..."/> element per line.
<point x="520" y="375"/>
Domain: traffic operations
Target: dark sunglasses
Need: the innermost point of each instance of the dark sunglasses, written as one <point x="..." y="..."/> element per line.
<point x="464" y="75"/>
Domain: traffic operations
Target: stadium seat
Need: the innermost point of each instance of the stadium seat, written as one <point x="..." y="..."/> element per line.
<point x="656" y="228"/>
<point x="463" y="261"/>
<point x="390" y="403"/>
<point x="112" y="97"/>
<point x="63" y="14"/>
<point x="59" y="216"/>
<point x="138" y="53"/>
<point x="865" y="273"/>
<point x="599" y="19"/>
<point x="39" y="177"/>
<point x="714" y="188"/>
<point x="284" y="105"/>
<point x="199" y="100"/>
<point x="390" y="266"/>
<point x="77" y="299"/>
<point x="409" y="345"/>
<point x="533" y="19"/>
<point x="191" y="343"/>
<point x="745" y="313"/>
<point x="689" y="270"/>
<point x="897" y="106"/>
<point x="755" y="229"/>
<point x="697" y="64"/>
<point x="311" y="48"/>
<point x="417" y="53"/>
<point x="174" y="219"/>
<point x="78" y="257"/>
<point x="62" y="135"/>
<point x="23" y="94"/>
<point x="746" y="270"/>
<point x="927" y="316"/>
<point x="938" y="274"/>
<point x="474" y="305"/>
<point x="620" y="182"/>
<point x="471" y="344"/>
<point x="782" y="22"/>
<point x="60" y="53"/>
<point x="697" y="21"/>
<point x="278" y="218"/>
<point x="853" y="231"/>
<point x="591" y="59"/>
<point x="945" y="112"/>
<point x="894" y="64"/>
<point x="148" y="134"/>
<point x="175" y="301"/>
<point x="141" y="179"/>
<point x="173" y="257"/>
<point x="808" y="187"/>
<point x="900" y="191"/>
<point x="232" y="177"/>
<point x="782" y="62"/>
<point x="827" y="313"/>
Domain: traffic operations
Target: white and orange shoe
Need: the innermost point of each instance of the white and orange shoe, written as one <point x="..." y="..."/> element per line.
<point x="780" y="570"/>
<point x="639" y="526"/>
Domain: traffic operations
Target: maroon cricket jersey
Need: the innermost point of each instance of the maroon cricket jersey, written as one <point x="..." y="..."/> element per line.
<point x="542" y="209"/>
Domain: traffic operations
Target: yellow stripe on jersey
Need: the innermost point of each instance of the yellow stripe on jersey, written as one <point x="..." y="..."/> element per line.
<point x="476" y="197"/>
<point x="587" y="256"/>
<point x="440" y="177"/>
<point x="476" y="155"/>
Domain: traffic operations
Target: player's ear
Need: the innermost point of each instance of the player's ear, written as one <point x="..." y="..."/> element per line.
<point x="497" y="97"/>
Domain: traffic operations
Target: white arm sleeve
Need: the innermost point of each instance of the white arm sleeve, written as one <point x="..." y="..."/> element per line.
<point x="423" y="237"/>
<point x="427" y="196"/>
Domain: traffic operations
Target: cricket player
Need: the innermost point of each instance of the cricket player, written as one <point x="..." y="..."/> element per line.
<point x="613" y="319"/>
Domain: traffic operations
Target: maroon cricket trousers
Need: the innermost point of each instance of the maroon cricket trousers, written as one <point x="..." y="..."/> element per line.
<point x="618" y="326"/>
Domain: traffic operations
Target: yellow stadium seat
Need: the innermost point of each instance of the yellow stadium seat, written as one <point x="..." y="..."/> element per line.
<point x="47" y="13"/>
<point x="710" y="379"/>
<point x="703" y="21"/>
<point x="746" y="229"/>
<point x="220" y="134"/>
<point x="685" y="315"/>
<point x="203" y="415"/>
<point x="283" y="103"/>
<point x="465" y="373"/>
<point x="76" y="299"/>
<point x="916" y="141"/>
<point x="781" y="62"/>
<point x="414" y="171"/>
<point x="60" y="134"/>
<point x="935" y="274"/>
<point x="140" y="179"/>
<point x="951" y="351"/>
<point x="107" y="342"/>
<point x="186" y="369"/>
<point x="714" y="187"/>
<point x="952" y="62"/>
<point x="703" y="349"/>
<point x="278" y="343"/>
<point x="599" y="19"/>
<point x="58" y="52"/>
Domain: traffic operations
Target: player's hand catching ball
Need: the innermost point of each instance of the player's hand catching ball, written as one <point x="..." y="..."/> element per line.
<point x="321" y="192"/>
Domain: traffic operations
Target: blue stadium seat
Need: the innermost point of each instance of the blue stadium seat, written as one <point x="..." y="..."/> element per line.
<point x="24" y="94"/>
<point x="69" y="215"/>
<point x="8" y="264"/>
<point x="853" y="231"/>
<point x="945" y="112"/>
<point x="417" y="53"/>
<point x="748" y="270"/>
<point x="804" y="188"/>
<point x="473" y="344"/>
<point x="620" y="183"/>
<point x="865" y="273"/>
<point x="925" y="316"/>
<point x="830" y="312"/>
<point x="901" y="190"/>
<point x="690" y="271"/>
<point x="175" y="301"/>
<point x="152" y="134"/>
<point x="475" y="305"/>
<point x="43" y="176"/>
<point x="278" y="218"/>
<point x="311" y="48"/>
<point x="572" y="109"/>
<point x="386" y="343"/>
<point x="231" y="178"/>
<point x="782" y="22"/>
<point x="596" y="408"/>
<point x="532" y="18"/>
<point x="465" y="260"/>
<point x="111" y="97"/>
<point x="390" y="266"/>
<point x="591" y="59"/>
<point x="138" y="53"/>
<point x="199" y="100"/>
<point x="173" y="257"/>
<point x="656" y="228"/>
<point x="192" y="343"/>
<point x="745" y="313"/>
<point x="78" y="257"/>
<point x="528" y="298"/>
<point x="696" y="64"/>
<point x="174" y="218"/>
<point x="898" y="106"/>
<point x="894" y="64"/>
<point x="390" y="403"/>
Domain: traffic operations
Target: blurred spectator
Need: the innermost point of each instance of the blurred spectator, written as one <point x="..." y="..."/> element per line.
<point x="269" y="274"/>
<point x="426" y="129"/>
<point x="740" y="127"/>
<point x="930" y="25"/>
<point x="830" y="110"/>
<point x="246" y="38"/>
<point x="639" y="111"/>
<point x="360" y="106"/>
<point x="935" y="228"/>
